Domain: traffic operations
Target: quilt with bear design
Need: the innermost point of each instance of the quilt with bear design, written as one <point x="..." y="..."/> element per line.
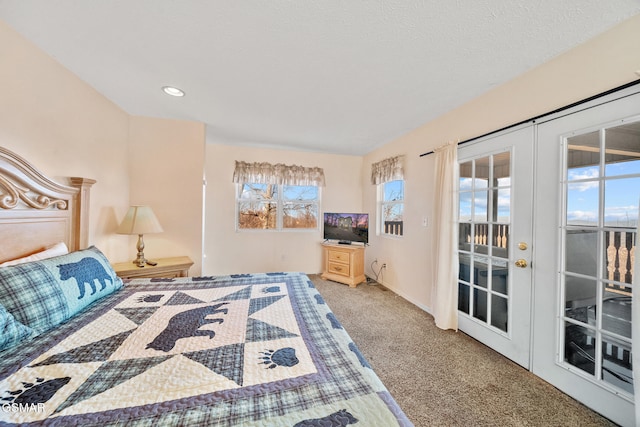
<point x="250" y="350"/>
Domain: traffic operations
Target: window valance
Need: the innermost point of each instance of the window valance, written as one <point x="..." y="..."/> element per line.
<point x="267" y="173"/>
<point x="387" y="170"/>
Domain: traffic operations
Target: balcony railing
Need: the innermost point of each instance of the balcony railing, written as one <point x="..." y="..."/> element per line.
<point x="620" y="251"/>
<point x="393" y="227"/>
<point x="500" y="238"/>
<point x="621" y="254"/>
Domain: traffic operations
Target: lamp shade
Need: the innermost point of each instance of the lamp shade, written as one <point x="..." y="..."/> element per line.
<point x="139" y="220"/>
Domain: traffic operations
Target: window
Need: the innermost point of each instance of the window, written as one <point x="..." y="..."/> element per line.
<point x="388" y="175"/>
<point x="391" y="197"/>
<point x="277" y="206"/>
<point x="277" y="197"/>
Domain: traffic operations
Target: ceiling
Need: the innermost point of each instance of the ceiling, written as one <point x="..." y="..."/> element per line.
<point x="337" y="76"/>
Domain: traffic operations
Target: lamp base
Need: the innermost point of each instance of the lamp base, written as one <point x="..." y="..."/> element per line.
<point x="141" y="261"/>
<point x="144" y="262"/>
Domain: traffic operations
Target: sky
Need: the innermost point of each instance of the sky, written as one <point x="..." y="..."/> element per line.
<point x="621" y="194"/>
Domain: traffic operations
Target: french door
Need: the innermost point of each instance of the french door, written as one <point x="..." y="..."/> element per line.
<point x="586" y="211"/>
<point x="494" y="219"/>
<point x="548" y="230"/>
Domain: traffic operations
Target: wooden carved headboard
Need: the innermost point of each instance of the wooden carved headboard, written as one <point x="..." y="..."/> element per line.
<point x="37" y="212"/>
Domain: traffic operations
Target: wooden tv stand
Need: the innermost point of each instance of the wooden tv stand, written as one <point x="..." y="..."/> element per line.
<point x="343" y="263"/>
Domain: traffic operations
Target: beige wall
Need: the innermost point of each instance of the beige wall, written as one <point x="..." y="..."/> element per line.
<point x="65" y="128"/>
<point x="228" y="251"/>
<point x="603" y="63"/>
<point x="166" y="171"/>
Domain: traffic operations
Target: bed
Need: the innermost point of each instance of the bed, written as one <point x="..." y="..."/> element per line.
<point x="86" y="348"/>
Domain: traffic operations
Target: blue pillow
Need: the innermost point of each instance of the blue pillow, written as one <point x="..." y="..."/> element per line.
<point x="43" y="294"/>
<point x="11" y="331"/>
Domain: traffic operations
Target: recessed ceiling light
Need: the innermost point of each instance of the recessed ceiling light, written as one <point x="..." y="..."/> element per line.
<point x="173" y="91"/>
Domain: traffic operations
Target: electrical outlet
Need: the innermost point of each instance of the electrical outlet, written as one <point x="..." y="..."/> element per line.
<point x="384" y="265"/>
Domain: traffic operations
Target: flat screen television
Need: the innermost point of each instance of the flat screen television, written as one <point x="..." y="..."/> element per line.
<point x="346" y="228"/>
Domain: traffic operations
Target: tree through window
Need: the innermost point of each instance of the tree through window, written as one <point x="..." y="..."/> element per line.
<point x="277" y="206"/>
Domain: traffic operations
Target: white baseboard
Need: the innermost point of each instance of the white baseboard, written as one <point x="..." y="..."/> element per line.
<point x="417" y="304"/>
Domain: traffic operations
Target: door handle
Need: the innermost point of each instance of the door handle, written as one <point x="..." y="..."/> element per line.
<point x="521" y="263"/>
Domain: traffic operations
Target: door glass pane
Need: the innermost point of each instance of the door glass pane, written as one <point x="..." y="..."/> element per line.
<point x="499" y="312"/>
<point x="622" y="150"/>
<point x="582" y="203"/>
<point x="621" y="202"/>
<point x="616" y="310"/>
<point x="618" y="247"/>
<point x="464" y="208"/>
<point x="480" y="203"/>
<point x="480" y="304"/>
<point x="583" y="156"/>
<point x="580" y="299"/>
<point x="482" y="173"/>
<point x="481" y="271"/>
<point x="466" y="175"/>
<point x="481" y="237"/>
<point x="502" y="169"/>
<point x="463" y="298"/>
<point x="464" y="236"/>
<point x="500" y="276"/>
<point x="579" y="348"/>
<point x="616" y="363"/>
<point x="464" y="273"/>
<point x="500" y="240"/>
<point x="502" y="199"/>
<point x="582" y="252"/>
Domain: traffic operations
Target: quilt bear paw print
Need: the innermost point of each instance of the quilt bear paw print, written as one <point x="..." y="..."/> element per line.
<point x="283" y="357"/>
<point x="39" y="392"/>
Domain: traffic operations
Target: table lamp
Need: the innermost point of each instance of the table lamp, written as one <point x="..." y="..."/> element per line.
<point x="140" y="220"/>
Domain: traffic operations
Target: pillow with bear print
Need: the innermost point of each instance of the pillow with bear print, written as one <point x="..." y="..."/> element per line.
<point x="45" y="293"/>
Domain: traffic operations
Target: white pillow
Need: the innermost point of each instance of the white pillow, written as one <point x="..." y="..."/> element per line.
<point x="55" y="250"/>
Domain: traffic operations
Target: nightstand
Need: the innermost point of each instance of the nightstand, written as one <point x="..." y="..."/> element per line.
<point x="167" y="268"/>
<point x="344" y="264"/>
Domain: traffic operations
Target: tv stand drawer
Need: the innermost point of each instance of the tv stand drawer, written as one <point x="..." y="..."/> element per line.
<point x="338" y="256"/>
<point x="338" y="268"/>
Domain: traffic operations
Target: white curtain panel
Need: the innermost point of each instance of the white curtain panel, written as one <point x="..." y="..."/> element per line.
<point x="635" y="326"/>
<point x="445" y="291"/>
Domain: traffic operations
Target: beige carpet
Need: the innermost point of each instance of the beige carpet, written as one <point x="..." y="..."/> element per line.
<point x="445" y="378"/>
